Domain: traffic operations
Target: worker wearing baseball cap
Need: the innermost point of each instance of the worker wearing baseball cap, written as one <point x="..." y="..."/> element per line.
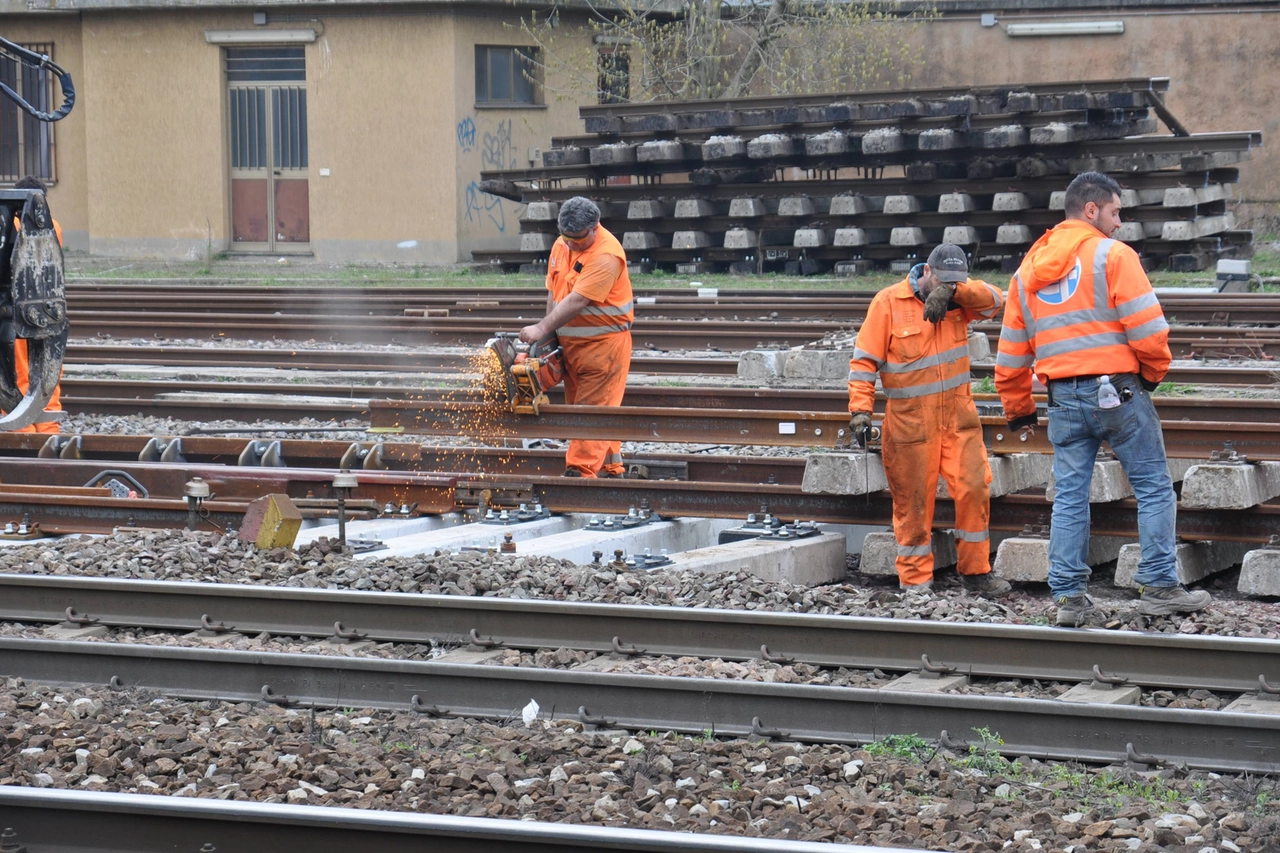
<point x="916" y="338"/>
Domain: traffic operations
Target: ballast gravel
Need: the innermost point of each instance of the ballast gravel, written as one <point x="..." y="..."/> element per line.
<point x="898" y="792"/>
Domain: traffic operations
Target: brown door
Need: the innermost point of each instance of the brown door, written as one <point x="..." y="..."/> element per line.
<point x="270" y="209"/>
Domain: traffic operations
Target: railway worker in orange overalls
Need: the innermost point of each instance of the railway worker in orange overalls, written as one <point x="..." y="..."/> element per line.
<point x="590" y="307"/>
<point x="21" y="363"/>
<point x="916" y="337"/>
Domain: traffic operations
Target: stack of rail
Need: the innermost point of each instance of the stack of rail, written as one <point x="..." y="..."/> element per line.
<point x="863" y="179"/>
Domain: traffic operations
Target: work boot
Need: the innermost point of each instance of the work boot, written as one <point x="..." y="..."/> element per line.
<point x="927" y="586"/>
<point x="1166" y="600"/>
<point x="572" y="472"/>
<point x="1075" y="611"/>
<point x="984" y="584"/>
<point x="605" y="475"/>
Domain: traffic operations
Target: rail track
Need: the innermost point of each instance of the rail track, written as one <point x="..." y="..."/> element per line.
<point x="89" y="822"/>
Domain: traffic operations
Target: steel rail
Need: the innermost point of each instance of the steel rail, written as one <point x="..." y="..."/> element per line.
<point x="1214" y="740"/>
<point x="825" y="429"/>
<point x="98" y="822"/>
<point x="998" y="651"/>
<point x="875" y="96"/>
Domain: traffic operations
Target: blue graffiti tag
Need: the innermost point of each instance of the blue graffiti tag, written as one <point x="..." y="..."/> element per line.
<point x="482" y="204"/>
<point x="498" y="151"/>
<point x="466" y="133"/>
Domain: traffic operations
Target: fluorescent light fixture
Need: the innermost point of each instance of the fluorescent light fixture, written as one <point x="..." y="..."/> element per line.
<point x="1066" y="28"/>
<point x="259" y="36"/>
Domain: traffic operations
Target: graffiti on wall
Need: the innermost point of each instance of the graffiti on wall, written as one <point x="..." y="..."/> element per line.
<point x="497" y="150"/>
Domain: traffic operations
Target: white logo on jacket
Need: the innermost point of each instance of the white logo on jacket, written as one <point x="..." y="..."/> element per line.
<point x="1060" y="291"/>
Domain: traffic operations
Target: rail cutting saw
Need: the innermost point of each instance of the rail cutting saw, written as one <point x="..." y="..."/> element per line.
<point x="526" y="371"/>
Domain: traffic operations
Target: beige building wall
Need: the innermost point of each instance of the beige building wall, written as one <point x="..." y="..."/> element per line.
<point x="1220" y="61"/>
<point x="68" y="196"/>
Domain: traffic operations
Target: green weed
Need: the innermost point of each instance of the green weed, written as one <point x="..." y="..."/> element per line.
<point x="911" y="747"/>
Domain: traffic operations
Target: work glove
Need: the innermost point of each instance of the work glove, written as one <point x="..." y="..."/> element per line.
<point x="935" y="306"/>
<point x="1024" y="421"/>
<point x="1149" y="384"/>
<point x="858" y="421"/>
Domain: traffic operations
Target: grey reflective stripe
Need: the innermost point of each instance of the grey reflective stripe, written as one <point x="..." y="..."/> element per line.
<point x="994" y="309"/>
<point x="1104" y="339"/>
<point x="861" y="376"/>
<point x="1003" y="359"/>
<point x="1014" y="336"/>
<point x="972" y="536"/>
<point x="613" y="459"/>
<point x="1141" y="303"/>
<point x="915" y="550"/>
<point x="1101" y="298"/>
<point x="606" y="311"/>
<point x="928" y="361"/>
<point x="863" y="355"/>
<point x="1071" y="318"/>
<point x="1147" y="329"/>
<point x="1028" y="321"/>
<point x="590" y="331"/>
<point x="927" y="389"/>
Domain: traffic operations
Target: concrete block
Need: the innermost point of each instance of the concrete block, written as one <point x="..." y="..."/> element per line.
<point x="939" y="140"/>
<point x="1110" y="483"/>
<point x="1260" y="572"/>
<point x="761" y="364"/>
<point x="817" y="364"/>
<point x="827" y="144"/>
<point x="907" y="236"/>
<point x="850" y="237"/>
<point x="1054" y="133"/>
<point x="1252" y="703"/>
<point x="1058" y="200"/>
<point x="641" y="240"/>
<point x="471" y="535"/>
<point x="1010" y="201"/>
<point x="883" y="140"/>
<point x="1195" y="560"/>
<point x="1014" y="234"/>
<point x="848" y="205"/>
<point x="979" y="343"/>
<point x="694" y="208"/>
<point x="1094" y="693"/>
<point x="955" y="203"/>
<point x="1191" y="196"/>
<point x="961" y="235"/>
<point x="771" y="146"/>
<point x="542" y="211"/>
<point x="63" y="631"/>
<point x="849" y="269"/>
<point x="614" y="153"/>
<point x="748" y="208"/>
<point x="1194" y="230"/>
<point x="1013" y="472"/>
<point x="1027" y="558"/>
<point x="1009" y="136"/>
<point x="536" y="242"/>
<point x="1138" y="198"/>
<point x="843" y="474"/>
<point x="812" y="562"/>
<point x="740" y="238"/>
<point x="724" y="148"/>
<point x="896" y="204"/>
<point x="880" y="552"/>
<point x="1216" y="485"/>
<point x="570" y="156"/>
<point x="647" y="208"/>
<point x="660" y="151"/>
<point x="382" y="528"/>
<point x="1130" y="232"/>
<point x="677" y="535"/>
<point x="1023" y="102"/>
<point x="796" y="206"/>
<point x="926" y="682"/>
<point x="472" y="656"/>
<point x="691" y="240"/>
<point x="807" y="238"/>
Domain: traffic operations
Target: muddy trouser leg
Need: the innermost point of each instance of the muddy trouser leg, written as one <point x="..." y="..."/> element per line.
<point x="598" y="369"/>
<point x="968" y="476"/>
<point x="911" y="459"/>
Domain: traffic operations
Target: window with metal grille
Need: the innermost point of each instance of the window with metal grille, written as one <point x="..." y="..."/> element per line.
<point x="26" y="144"/>
<point x="248" y="68"/>
<point x="283" y="64"/>
<point x="507" y="75"/>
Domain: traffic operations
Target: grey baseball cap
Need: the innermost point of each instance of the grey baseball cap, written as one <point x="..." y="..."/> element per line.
<point x="949" y="263"/>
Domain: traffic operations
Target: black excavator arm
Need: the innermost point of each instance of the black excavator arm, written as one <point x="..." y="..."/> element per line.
<point x="33" y="299"/>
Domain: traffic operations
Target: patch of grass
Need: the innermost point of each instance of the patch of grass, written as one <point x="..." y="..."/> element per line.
<point x="985" y="385"/>
<point x="912" y="747"/>
<point x="1174" y="389"/>
<point x="985" y="755"/>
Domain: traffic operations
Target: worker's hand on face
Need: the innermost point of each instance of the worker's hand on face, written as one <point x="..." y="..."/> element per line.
<point x="532" y="334"/>
<point x="859" y="421"/>
<point x="935" y="305"/>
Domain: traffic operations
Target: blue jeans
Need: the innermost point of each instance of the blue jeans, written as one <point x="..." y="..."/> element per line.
<point x="1076" y="428"/>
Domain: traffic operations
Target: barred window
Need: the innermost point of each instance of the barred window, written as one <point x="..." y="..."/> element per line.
<point x="507" y="75"/>
<point x="26" y="144"/>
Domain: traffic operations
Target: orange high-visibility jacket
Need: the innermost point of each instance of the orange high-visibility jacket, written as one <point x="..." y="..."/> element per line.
<point x="914" y="357"/>
<point x="612" y="309"/>
<point x="1080" y="305"/>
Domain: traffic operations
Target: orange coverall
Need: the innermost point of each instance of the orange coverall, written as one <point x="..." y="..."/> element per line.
<point x="597" y="342"/>
<point x="931" y="426"/>
<point x="22" y="366"/>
